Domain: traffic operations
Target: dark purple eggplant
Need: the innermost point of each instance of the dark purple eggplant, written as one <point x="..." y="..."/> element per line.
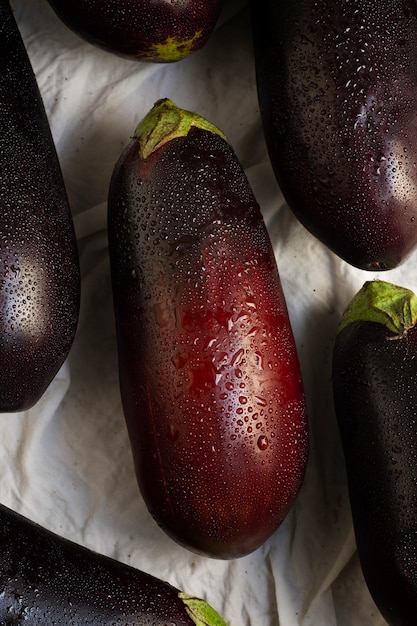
<point x="143" y="30"/>
<point x="337" y="88"/>
<point x="39" y="271"/>
<point x="46" y="580"/>
<point x="209" y="374"/>
<point x="375" y="395"/>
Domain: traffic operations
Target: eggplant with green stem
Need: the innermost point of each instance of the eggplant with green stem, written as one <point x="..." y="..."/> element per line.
<point x="46" y="580"/>
<point x="375" y="396"/>
<point x="209" y="373"/>
<point x="143" y="30"/>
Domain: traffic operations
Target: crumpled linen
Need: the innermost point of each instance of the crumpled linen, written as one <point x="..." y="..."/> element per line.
<point x="66" y="463"/>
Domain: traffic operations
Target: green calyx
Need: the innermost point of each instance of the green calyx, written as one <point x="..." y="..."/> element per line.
<point x="200" y="612"/>
<point x="173" y="49"/>
<point x="382" y="302"/>
<point x="166" y="121"/>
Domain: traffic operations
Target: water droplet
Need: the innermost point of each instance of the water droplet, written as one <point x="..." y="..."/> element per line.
<point x="162" y="314"/>
<point x="209" y="342"/>
<point x="259" y="360"/>
<point x="222" y="360"/>
<point x="262" y="442"/>
<point x="237" y="358"/>
<point x="179" y="360"/>
<point x="173" y="432"/>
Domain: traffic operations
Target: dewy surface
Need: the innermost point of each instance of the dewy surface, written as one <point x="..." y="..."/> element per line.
<point x="67" y="463"/>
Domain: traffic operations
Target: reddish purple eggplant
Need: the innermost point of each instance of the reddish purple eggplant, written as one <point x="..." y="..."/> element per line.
<point x="39" y="272"/>
<point x="337" y="87"/>
<point x="143" y="30"/>
<point x="209" y="373"/>
<point x="375" y="394"/>
<point x="46" y="580"/>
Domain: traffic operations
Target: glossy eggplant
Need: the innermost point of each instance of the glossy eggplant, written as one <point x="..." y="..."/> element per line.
<point x="39" y="271"/>
<point x="337" y="88"/>
<point x="375" y="394"/>
<point x="142" y="30"/>
<point x="47" y="580"/>
<point x="209" y="373"/>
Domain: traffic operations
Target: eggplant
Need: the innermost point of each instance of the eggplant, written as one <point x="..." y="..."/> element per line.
<point x="375" y="397"/>
<point x="337" y="90"/>
<point x="143" y="30"/>
<point x="209" y="374"/>
<point x="47" y="580"/>
<point x="39" y="268"/>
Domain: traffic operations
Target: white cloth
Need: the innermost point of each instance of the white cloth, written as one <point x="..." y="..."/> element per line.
<point x="67" y="463"/>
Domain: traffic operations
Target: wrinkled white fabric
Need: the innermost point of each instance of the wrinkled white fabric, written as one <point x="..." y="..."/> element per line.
<point x="67" y="462"/>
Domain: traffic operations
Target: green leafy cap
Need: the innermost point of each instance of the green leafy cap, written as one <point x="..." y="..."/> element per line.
<point x="200" y="612"/>
<point x="166" y="121"/>
<point x="382" y="302"/>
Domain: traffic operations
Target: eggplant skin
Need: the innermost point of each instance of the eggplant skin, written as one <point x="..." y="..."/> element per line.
<point x="337" y="88"/>
<point x="39" y="269"/>
<point x="143" y="30"/>
<point x="48" y="580"/>
<point x="209" y="374"/>
<point x="375" y="395"/>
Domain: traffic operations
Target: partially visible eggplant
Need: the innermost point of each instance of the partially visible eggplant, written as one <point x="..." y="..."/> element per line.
<point x="39" y="270"/>
<point x="46" y="580"/>
<point x="337" y="86"/>
<point x="375" y="395"/>
<point x="142" y="30"/>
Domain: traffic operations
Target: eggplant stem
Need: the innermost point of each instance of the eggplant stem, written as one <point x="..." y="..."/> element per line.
<point x="165" y="122"/>
<point x="385" y="303"/>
